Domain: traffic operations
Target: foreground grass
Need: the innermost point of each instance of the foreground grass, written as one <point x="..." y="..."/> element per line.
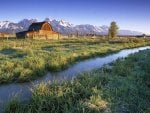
<point x="125" y="88"/>
<point x="24" y="60"/>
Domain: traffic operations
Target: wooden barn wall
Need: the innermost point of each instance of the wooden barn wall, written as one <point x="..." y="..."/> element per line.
<point x="42" y="34"/>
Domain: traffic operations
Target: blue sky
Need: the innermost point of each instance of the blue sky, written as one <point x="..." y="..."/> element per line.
<point x="129" y="14"/>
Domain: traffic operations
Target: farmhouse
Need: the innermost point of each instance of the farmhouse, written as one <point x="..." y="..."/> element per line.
<point x="39" y="30"/>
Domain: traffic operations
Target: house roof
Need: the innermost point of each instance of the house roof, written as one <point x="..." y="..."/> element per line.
<point x="40" y="26"/>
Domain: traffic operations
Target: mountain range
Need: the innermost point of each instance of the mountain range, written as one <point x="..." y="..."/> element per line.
<point x="62" y="27"/>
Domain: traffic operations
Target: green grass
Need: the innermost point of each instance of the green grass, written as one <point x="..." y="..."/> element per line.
<point x="24" y="60"/>
<point x="125" y="88"/>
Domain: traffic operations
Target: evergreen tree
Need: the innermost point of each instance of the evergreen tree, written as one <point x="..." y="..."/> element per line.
<point x="113" y="30"/>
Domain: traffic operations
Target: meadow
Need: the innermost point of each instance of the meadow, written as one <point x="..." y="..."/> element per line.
<point x="123" y="88"/>
<point x="23" y="60"/>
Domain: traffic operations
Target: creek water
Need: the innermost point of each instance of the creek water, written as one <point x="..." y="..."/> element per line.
<point x="23" y="90"/>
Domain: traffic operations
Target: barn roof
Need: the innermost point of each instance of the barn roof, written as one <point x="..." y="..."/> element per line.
<point x="40" y="26"/>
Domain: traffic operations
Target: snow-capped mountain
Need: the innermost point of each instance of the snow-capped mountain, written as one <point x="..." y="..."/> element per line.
<point x="129" y="32"/>
<point x="25" y="23"/>
<point x="65" y="24"/>
<point x="61" y="26"/>
<point x="6" y="26"/>
<point x="11" y="27"/>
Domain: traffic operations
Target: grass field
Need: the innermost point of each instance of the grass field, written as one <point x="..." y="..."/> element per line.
<point x="124" y="88"/>
<point x="24" y="60"/>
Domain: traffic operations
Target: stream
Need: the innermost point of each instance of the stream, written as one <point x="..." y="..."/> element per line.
<point x="23" y="90"/>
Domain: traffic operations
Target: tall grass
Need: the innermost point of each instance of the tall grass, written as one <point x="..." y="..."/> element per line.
<point x="124" y="88"/>
<point x="24" y="60"/>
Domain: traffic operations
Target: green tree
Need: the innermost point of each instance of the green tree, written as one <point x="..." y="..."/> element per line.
<point x="113" y="30"/>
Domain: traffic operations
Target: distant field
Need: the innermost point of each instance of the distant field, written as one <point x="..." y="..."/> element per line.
<point x="24" y="60"/>
<point x="124" y="88"/>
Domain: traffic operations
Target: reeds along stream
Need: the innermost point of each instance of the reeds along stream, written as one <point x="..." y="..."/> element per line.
<point x="23" y="90"/>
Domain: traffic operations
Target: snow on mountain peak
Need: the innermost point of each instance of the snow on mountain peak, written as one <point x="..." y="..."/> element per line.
<point x="4" y="24"/>
<point x="48" y="19"/>
<point x="25" y="23"/>
<point x="65" y="23"/>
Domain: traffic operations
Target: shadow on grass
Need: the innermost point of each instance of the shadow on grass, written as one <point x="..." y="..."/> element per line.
<point x="12" y="53"/>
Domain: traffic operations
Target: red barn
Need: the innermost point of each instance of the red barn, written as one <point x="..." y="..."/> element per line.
<point x="39" y="30"/>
